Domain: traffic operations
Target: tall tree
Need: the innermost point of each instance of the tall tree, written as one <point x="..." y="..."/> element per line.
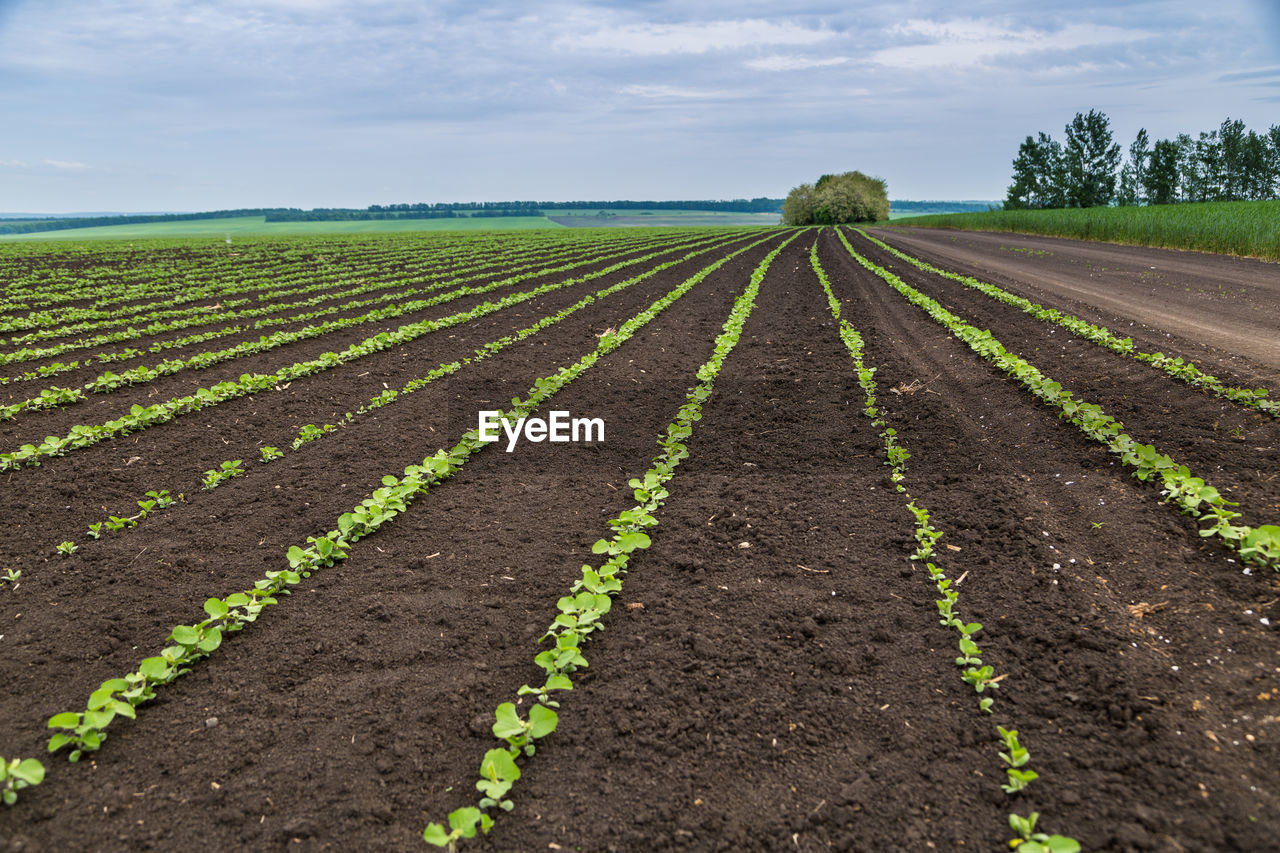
<point x="1160" y="181"/>
<point x="1273" y="156"/>
<point x="1037" y="175"/>
<point x="1139" y="153"/>
<point x="1091" y="158"/>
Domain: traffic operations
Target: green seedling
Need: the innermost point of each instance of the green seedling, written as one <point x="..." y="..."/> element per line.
<point x="215" y="476"/>
<point x="67" y="548"/>
<point x="1262" y="545"/>
<point x="980" y="678"/>
<point x="1019" y="780"/>
<point x="543" y="693"/>
<point x="623" y="543"/>
<point x="519" y="733"/>
<point x="162" y="498"/>
<point x="95" y="530"/>
<point x="498" y="772"/>
<point x="270" y="453"/>
<point x="1030" y="841"/>
<point x="1017" y="756"/>
<point x="17" y="774"/>
<point x="463" y="823"/>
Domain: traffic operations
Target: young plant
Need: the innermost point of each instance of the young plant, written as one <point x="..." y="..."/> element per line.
<point x="214" y="477"/>
<point x="463" y="823"/>
<point x="67" y="548"/>
<point x="1030" y="841"/>
<point x="270" y="453"/>
<point x="17" y="774"/>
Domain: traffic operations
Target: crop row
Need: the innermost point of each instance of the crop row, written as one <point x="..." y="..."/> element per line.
<point x="310" y="432"/>
<point x="85" y="731"/>
<point x="141" y="417"/>
<point x="202" y="274"/>
<point x="590" y="598"/>
<point x="1260" y="544"/>
<point x="223" y="279"/>
<point x="231" y="309"/>
<point x="109" y="381"/>
<point x="980" y="677"/>
<point x="476" y="271"/>
<point x="1177" y="367"/>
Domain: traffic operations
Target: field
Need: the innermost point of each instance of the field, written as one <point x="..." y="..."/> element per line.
<point x="1246" y="228"/>
<point x="239" y="227"/>
<point x="890" y="538"/>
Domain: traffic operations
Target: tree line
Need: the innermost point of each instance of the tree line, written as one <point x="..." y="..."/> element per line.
<point x="1229" y="163"/>
<point x="420" y="210"/>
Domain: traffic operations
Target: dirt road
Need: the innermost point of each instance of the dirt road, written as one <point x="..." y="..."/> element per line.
<point x="1214" y="308"/>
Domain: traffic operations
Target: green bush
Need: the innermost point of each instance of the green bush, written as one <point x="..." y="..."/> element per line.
<point x="837" y="199"/>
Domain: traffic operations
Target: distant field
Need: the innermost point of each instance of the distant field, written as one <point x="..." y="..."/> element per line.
<point x="257" y="226"/>
<point x="610" y="218"/>
<point x="1248" y="228"/>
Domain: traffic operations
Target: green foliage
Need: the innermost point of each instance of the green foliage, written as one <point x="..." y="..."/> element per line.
<point x="1229" y="163"/>
<point x="1038" y="178"/>
<point x="1030" y="841"/>
<point x="1089" y="161"/>
<point x="836" y="199"/>
<point x="17" y="774"/>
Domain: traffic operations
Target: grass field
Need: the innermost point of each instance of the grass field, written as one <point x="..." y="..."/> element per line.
<point x="1248" y="228"/>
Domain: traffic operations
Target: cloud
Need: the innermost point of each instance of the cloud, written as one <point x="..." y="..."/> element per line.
<point x="1249" y="75"/>
<point x="647" y="91"/>
<point x="12" y="164"/>
<point x="665" y="39"/>
<point x="66" y="165"/>
<point x="793" y="63"/>
<point x="969" y="43"/>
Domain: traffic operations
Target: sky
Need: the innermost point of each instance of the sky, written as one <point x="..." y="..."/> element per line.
<point x="154" y="105"/>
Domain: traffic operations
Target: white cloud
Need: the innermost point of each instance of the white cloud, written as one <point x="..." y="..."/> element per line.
<point x="643" y="91"/>
<point x="966" y="43"/>
<point x="66" y="165"/>
<point x="663" y="39"/>
<point x="12" y="164"/>
<point x="793" y="63"/>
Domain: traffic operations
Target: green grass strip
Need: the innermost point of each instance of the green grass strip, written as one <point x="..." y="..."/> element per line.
<point x="1246" y="228"/>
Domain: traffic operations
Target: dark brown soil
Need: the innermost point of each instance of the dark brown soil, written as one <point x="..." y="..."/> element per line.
<point x="785" y="684"/>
